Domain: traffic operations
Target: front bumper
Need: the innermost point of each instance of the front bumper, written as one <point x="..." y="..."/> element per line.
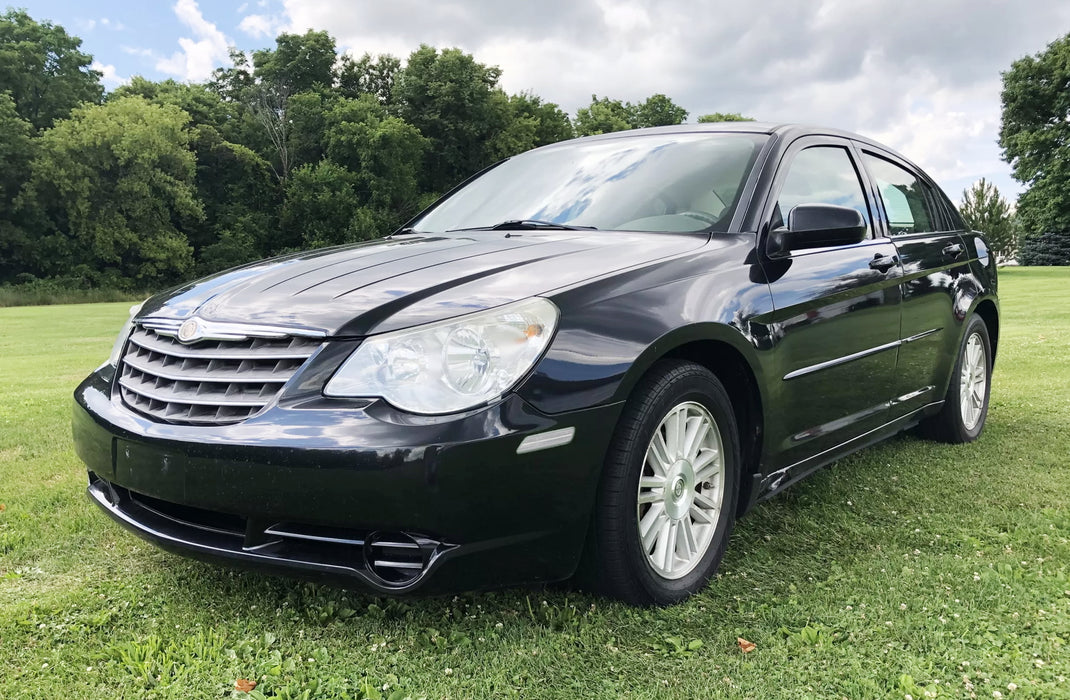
<point x="347" y="491"/>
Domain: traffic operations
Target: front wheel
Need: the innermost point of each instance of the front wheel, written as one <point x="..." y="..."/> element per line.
<point x="667" y="500"/>
<point x="965" y="409"/>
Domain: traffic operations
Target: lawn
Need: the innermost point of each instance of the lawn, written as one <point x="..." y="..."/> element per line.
<point x="911" y="569"/>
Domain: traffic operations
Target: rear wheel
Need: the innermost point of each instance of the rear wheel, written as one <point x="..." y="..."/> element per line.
<point x="965" y="409"/>
<point x="667" y="499"/>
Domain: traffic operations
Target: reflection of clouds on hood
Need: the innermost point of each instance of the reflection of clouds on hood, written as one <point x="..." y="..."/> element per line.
<point x="922" y="77"/>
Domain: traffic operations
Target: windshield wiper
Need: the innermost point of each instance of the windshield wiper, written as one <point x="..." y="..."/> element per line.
<point x="527" y="225"/>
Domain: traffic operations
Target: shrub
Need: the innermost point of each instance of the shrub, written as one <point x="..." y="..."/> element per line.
<point x="1045" y="249"/>
<point x="39" y="292"/>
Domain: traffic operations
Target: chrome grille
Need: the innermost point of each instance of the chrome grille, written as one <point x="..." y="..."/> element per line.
<point x="209" y="382"/>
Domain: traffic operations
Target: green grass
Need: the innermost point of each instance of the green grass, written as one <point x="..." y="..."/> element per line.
<point x="911" y="568"/>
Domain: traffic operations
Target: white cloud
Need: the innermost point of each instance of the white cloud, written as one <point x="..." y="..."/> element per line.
<point x="110" y="78"/>
<point x="261" y="26"/>
<point x="136" y="51"/>
<point x="88" y="25"/>
<point x="199" y="55"/>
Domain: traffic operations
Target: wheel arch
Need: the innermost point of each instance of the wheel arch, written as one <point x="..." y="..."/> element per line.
<point x="727" y="354"/>
<point x="986" y="309"/>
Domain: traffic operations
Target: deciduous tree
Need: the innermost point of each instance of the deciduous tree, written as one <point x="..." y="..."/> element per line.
<point x="551" y="123"/>
<point x="268" y="90"/>
<point x="368" y="76"/>
<point x="723" y="117"/>
<point x="241" y="198"/>
<point x="298" y="63"/>
<point x="1035" y="136"/>
<point x="115" y="185"/>
<point x="603" y="116"/>
<point x="528" y="122"/>
<point x="450" y="98"/>
<point x="658" y="110"/>
<point x="16" y="153"/>
<point x="384" y="154"/>
<point x="199" y="101"/>
<point x="320" y="204"/>
<point x="44" y="69"/>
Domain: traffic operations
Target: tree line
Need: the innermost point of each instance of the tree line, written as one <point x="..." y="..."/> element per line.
<point x="288" y="148"/>
<point x="299" y="146"/>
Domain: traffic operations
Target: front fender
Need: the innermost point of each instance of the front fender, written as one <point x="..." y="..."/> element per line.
<point x="687" y="335"/>
<point x="612" y="331"/>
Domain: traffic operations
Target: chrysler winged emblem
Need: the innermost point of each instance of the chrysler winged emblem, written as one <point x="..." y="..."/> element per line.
<point x="190" y="331"/>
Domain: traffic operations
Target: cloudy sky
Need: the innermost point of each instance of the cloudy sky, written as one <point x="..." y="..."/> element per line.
<point x="920" y="76"/>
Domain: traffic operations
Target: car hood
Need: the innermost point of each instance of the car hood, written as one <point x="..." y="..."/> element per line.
<point x="399" y="282"/>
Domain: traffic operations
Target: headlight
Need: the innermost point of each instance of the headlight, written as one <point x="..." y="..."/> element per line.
<point x="116" y="349"/>
<point x="451" y="365"/>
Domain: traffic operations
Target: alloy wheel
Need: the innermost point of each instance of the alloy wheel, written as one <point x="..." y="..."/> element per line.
<point x="681" y="490"/>
<point x="973" y="380"/>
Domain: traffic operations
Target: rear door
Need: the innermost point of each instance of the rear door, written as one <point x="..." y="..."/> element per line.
<point x="933" y="255"/>
<point x="836" y="319"/>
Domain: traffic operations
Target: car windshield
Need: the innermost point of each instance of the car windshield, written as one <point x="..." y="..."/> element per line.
<point x="667" y="182"/>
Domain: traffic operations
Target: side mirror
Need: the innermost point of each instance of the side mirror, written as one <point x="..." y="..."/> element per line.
<point x="817" y="226"/>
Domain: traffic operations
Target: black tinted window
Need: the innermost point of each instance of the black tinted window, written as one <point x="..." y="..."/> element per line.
<point x="904" y="195"/>
<point x="821" y="175"/>
<point x="656" y="182"/>
<point x="951" y="217"/>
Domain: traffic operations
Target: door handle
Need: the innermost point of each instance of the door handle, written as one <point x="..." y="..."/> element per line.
<point x="954" y="250"/>
<point x="883" y="262"/>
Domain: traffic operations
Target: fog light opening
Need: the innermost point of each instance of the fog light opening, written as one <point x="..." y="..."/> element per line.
<point x="396" y="558"/>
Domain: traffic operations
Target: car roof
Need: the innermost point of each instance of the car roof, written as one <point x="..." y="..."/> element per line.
<point x="779" y="128"/>
<point x="787" y="132"/>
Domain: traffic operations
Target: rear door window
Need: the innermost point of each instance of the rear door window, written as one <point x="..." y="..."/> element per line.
<point x="907" y="200"/>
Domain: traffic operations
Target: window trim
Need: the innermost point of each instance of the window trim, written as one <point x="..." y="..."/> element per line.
<point x="937" y="200"/>
<point x="784" y="163"/>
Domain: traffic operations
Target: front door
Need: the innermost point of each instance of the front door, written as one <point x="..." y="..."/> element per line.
<point x="836" y="318"/>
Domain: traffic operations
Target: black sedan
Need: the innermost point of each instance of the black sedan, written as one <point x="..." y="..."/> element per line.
<point x="592" y="357"/>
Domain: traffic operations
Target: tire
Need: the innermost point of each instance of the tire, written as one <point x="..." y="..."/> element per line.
<point x="963" y="420"/>
<point x="699" y="487"/>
